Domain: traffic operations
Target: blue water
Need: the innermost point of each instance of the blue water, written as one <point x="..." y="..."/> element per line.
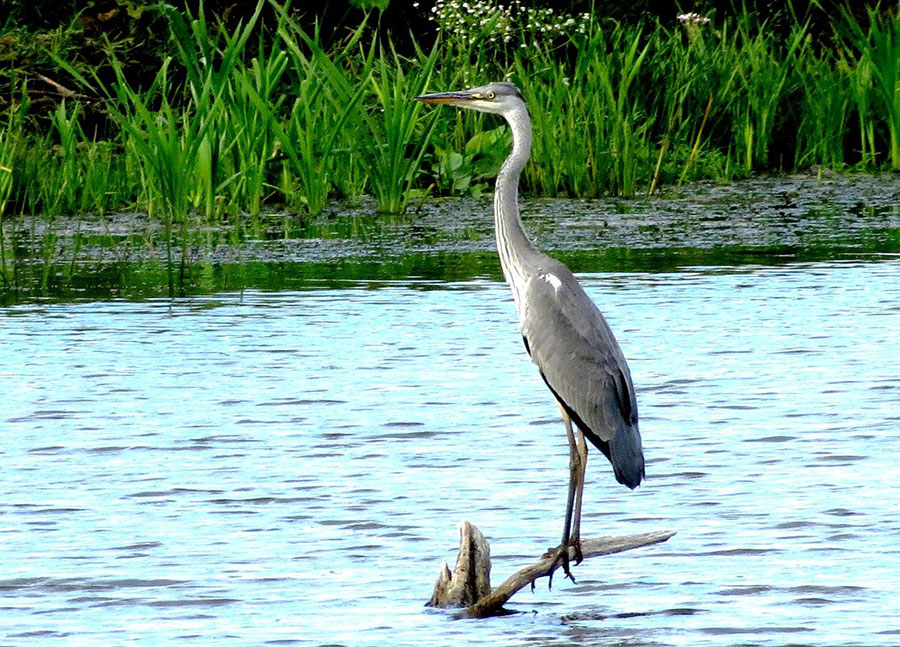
<point x="289" y="468"/>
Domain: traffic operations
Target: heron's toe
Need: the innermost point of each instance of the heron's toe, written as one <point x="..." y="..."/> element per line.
<point x="575" y="543"/>
<point x="561" y="559"/>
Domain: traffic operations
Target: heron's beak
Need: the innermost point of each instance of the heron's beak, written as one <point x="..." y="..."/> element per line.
<point x="450" y="98"/>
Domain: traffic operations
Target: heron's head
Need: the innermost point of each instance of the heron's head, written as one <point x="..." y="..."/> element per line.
<point x="498" y="98"/>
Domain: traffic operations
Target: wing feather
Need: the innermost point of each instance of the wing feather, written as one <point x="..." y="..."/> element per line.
<point x="571" y="343"/>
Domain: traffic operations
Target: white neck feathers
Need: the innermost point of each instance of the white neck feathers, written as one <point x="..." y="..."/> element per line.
<point x="513" y="245"/>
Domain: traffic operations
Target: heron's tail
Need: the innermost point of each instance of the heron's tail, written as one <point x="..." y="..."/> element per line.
<point x="626" y="456"/>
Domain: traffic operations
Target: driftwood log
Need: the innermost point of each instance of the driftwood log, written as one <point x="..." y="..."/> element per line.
<point x="469" y="586"/>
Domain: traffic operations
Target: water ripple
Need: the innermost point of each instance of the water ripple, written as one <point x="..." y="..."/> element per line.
<point x="289" y="468"/>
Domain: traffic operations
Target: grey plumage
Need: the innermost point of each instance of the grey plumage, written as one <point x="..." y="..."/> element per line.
<point x="578" y="357"/>
<point x="566" y="335"/>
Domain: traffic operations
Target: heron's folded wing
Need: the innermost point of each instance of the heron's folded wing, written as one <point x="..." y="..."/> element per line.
<point x="576" y="352"/>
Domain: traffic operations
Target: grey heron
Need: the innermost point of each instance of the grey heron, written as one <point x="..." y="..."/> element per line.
<point x="564" y="332"/>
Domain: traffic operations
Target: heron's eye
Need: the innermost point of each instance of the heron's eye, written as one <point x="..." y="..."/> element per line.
<point x="489" y="96"/>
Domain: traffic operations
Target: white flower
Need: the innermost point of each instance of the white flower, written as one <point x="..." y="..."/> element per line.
<point x="692" y="18"/>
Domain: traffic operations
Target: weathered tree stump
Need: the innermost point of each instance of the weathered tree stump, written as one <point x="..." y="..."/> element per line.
<point x="469" y="586"/>
<point x="471" y="579"/>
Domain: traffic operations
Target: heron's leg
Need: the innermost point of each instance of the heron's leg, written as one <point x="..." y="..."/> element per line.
<point x="574" y="470"/>
<point x="575" y="536"/>
<point x="573" y="511"/>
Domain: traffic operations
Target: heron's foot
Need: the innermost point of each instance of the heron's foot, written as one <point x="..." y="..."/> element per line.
<point x="561" y="559"/>
<point x="575" y="543"/>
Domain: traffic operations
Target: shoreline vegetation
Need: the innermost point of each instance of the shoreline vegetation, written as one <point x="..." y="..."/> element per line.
<point x="242" y="119"/>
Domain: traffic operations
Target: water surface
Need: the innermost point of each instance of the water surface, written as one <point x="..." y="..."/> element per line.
<point x="265" y="468"/>
<point x="773" y="220"/>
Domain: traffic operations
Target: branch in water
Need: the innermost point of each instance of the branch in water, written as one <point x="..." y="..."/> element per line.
<point x="469" y="585"/>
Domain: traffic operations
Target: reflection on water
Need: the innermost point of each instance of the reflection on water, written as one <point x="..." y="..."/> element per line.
<point x="288" y="468"/>
<point x="762" y="220"/>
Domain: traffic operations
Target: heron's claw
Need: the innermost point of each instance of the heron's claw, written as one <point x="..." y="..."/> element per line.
<point x="576" y="544"/>
<point x="561" y="558"/>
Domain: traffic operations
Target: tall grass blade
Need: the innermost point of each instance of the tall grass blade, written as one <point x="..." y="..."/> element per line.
<point x="399" y="138"/>
<point x="878" y="68"/>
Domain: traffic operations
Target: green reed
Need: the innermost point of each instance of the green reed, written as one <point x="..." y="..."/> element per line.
<point x="81" y="173"/>
<point x="10" y="140"/>
<point x="177" y="140"/>
<point x="623" y="131"/>
<point x="824" y="108"/>
<point x="763" y="73"/>
<point x="399" y="129"/>
<point x="590" y="129"/>
<point x="225" y="129"/>
<point x="210" y="59"/>
<point x="247" y="180"/>
<point x="323" y="113"/>
<point x="878" y="76"/>
<point x="693" y="90"/>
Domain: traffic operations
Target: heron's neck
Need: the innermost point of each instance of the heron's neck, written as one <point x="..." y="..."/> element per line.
<point x="513" y="245"/>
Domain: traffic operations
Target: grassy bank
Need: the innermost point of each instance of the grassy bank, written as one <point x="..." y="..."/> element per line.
<point x="240" y="119"/>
